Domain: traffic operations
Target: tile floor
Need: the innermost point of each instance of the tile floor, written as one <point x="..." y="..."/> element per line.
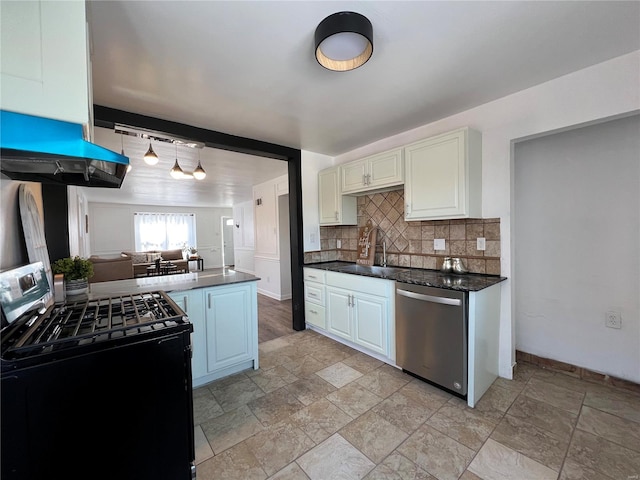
<point x="319" y="410"/>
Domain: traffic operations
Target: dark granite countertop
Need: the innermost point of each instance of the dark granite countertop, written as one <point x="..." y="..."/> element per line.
<point x="468" y="282"/>
<point x="169" y="283"/>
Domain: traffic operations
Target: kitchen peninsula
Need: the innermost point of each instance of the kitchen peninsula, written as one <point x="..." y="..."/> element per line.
<point x="222" y="305"/>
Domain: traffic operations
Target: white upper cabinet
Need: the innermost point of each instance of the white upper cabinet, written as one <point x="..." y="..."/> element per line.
<point x="44" y="60"/>
<point x="379" y="171"/>
<point x="444" y="176"/>
<point x="335" y="209"/>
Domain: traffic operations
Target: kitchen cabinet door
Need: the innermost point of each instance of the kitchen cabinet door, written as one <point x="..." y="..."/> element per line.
<point x="44" y="60"/>
<point x="339" y="312"/>
<point x="191" y="302"/>
<point x="229" y="326"/>
<point x="334" y="208"/>
<point x="379" y="171"/>
<point x="370" y="322"/>
<point x="444" y="176"/>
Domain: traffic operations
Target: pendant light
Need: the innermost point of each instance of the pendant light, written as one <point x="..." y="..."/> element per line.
<point x="150" y="158"/>
<point x="129" y="167"/>
<point x="199" y="172"/>
<point x="344" y="41"/>
<point x="176" y="171"/>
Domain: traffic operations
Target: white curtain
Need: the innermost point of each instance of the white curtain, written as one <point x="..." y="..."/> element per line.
<point x="164" y="231"/>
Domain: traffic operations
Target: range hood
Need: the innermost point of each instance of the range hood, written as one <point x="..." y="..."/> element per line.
<point x="43" y="150"/>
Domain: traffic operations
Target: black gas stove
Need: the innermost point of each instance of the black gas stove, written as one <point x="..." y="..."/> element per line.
<point x="94" y="388"/>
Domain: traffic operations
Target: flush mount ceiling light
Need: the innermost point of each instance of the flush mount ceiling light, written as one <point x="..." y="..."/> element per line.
<point x="344" y="41"/>
<point x="150" y="158"/>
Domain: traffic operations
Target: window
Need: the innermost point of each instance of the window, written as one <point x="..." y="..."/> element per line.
<point x="164" y="231"/>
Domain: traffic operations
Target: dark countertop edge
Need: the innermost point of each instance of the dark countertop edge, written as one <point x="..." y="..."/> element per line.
<point x="468" y="279"/>
<point x="188" y="281"/>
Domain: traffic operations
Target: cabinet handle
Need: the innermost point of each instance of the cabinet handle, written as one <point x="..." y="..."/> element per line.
<point x="364" y="179"/>
<point x="209" y="299"/>
<point x="407" y="209"/>
<point x="313" y="295"/>
<point x="368" y="179"/>
<point x="185" y="304"/>
<point x="313" y="311"/>
<point x="312" y="276"/>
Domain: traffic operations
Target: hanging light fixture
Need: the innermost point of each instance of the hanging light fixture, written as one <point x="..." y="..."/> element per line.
<point x="344" y="41"/>
<point x="129" y="167"/>
<point x="150" y="158"/>
<point x="176" y="171"/>
<point x="199" y="172"/>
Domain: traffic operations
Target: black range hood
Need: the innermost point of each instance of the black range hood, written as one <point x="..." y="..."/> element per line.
<point x="43" y="150"/>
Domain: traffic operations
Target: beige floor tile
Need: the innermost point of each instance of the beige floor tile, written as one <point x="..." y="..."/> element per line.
<point x="615" y="429"/>
<point x="310" y="389"/>
<point x="373" y="436"/>
<point x="205" y="406"/>
<point x="426" y="395"/>
<point x="531" y="441"/>
<point x="272" y="345"/>
<point x="441" y="456"/>
<point x="382" y="382"/>
<point x="616" y="402"/>
<point x="496" y="399"/>
<point x="203" y="449"/>
<point x="231" y="428"/>
<point x="524" y="371"/>
<point x="497" y="462"/>
<point x="225" y="382"/>
<point x="464" y="426"/>
<point x="330" y="354"/>
<point x="362" y="362"/>
<point x="237" y="463"/>
<point x="554" y="395"/>
<point x="404" y="412"/>
<point x="353" y="399"/>
<point x="565" y="381"/>
<point x="339" y="374"/>
<point x="305" y="366"/>
<point x="604" y="456"/>
<point x="484" y="410"/>
<point x="397" y="467"/>
<point x="511" y="385"/>
<point x="572" y="470"/>
<point x="274" y="358"/>
<point x="275" y="406"/>
<point x="278" y="446"/>
<point x="236" y="394"/>
<point x="469" y="475"/>
<point x="290" y="472"/>
<point x="335" y="458"/>
<point x="273" y="379"/>
<point x="544" y="415"/>
<point x="320" y="420"/>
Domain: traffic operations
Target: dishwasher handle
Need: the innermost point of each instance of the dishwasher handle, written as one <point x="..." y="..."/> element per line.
<point x="456" y="302"/>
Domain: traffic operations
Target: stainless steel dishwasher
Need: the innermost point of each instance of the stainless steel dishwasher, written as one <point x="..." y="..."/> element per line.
<point x="431" y="335"/>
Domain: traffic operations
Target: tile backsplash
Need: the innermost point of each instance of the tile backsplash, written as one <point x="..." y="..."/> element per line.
<point x="410" y="244"/>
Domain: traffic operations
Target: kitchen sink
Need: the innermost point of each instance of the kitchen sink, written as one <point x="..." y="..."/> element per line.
<point x="374" y="270"/>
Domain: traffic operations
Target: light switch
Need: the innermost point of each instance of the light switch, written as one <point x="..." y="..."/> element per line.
<point x="338" y="243"/>
<point x="439" y="244"/>
<point x="481" y="244"/>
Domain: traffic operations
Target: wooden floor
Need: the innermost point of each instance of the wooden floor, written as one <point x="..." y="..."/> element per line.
<point x="274" y="318"/>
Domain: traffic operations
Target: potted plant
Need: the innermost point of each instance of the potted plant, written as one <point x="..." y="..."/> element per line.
<point x="76" y="273"/>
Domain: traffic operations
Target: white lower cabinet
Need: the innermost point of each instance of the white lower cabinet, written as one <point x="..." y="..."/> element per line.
<point x="225" y="329"/>
<point x="355" y="308"/>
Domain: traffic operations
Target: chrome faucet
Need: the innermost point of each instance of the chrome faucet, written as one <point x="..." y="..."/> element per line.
<point x="384" y="253"/>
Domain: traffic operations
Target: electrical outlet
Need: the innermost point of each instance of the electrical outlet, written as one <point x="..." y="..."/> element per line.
<point x="481" y="244"/>
<point x="613" y="319"/>
<point x="439" y="244"/>
<point x="338" y="243"/>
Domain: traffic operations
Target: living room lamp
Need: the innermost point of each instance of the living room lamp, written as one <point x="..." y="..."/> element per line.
<point x="176" y="172"/>
<point x="344" y="41"/>
<point x="150" y="158"/>
<point x="199" y="172"/>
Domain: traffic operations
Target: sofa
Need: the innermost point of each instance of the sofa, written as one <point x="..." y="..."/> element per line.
<point x="108" y="269"/>
<point x="142" y="260"/>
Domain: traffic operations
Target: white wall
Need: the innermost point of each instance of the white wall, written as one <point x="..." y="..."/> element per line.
<point x="284" y="247"/>
<point x="577" y="231"/>
<point x="589" y="95"/>
<point x="111" y="229"/>
<point x="13" y="253"/>
<point x="312" y="163"/>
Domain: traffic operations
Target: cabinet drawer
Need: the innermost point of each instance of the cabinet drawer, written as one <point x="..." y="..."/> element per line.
<point x="314" y="293"/>
<point x="315" y="315"/>
<point x="314" y="275"/>
<point x="360" y="283"/>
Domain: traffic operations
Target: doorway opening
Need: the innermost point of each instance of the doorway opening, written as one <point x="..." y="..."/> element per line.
<point x="227" y="241"/>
